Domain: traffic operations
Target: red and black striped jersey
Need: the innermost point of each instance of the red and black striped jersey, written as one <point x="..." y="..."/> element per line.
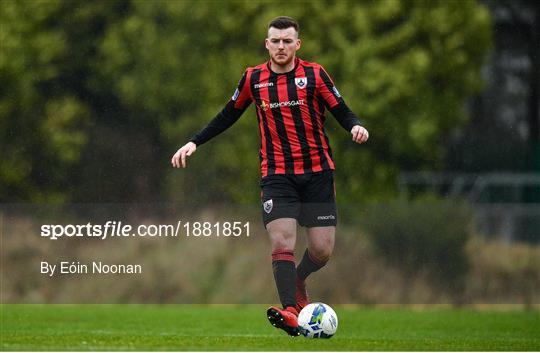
<point x="290" y="113"/>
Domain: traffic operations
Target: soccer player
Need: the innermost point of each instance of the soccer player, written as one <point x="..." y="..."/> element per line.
<point x="297" y="183"/>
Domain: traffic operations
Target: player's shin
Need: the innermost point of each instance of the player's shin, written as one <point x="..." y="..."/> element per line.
<point x="308" y="265"/>
<point x="285" y="276"/>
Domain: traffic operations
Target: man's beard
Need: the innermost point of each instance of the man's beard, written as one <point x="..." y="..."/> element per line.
<point x="281" y="62"/>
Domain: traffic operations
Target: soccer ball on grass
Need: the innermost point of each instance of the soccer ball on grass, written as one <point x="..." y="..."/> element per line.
<point x="317" y="320"/>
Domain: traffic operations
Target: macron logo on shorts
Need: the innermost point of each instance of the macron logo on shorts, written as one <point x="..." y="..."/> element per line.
<point x="324" y="218"/>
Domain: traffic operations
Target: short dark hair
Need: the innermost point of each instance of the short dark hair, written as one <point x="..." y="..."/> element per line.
<point x="284" y="22"/>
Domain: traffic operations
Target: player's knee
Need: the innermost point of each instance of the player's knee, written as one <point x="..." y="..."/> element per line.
<point x="322" y="251"/>
<point x="321" y="255"/>
<point x="282" y="240"/>
<point x="281" y="244"/>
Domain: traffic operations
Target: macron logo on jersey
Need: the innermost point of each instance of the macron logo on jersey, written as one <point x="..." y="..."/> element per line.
<point x="261" y="85"/>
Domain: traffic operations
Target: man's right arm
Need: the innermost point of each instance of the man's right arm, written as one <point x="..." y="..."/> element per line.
<point x="221" y="122"/>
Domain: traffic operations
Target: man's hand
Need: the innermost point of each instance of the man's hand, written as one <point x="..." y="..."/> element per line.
<point x="179" y="158"/>
<point x="359" y="134"/>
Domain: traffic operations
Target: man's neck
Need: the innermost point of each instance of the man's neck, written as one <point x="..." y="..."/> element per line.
<point x="281" y="69"/>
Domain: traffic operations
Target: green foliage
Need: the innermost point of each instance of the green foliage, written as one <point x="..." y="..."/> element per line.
<point x="99" y="95"/>
<point x="424" y="236"/>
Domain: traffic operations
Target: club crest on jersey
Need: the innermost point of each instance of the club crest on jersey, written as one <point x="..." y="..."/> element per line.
<point x="300" y="82"/>
<point x="268" y="205"/>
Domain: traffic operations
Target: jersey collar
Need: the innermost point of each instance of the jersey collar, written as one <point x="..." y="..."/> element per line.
<point x="296" y="63"/>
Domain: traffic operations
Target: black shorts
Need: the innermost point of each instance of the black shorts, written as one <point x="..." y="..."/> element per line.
<point x="309" y="198"/>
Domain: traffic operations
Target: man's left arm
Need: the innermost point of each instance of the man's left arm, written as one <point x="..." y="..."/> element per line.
<point x="343" y="114"/>
<point x="349" y="121"/>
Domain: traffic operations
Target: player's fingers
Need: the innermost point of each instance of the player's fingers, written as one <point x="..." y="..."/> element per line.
<point x="191" y="150"/>
<point x="359" y="136"/>
<point x="362" y="138"/>
<point x="183" y="157"/>
<point x="366" y="136"/>
<point x="355" y="135"/>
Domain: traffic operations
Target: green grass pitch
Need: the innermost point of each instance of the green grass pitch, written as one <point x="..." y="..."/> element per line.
<point x="198" y="327"/>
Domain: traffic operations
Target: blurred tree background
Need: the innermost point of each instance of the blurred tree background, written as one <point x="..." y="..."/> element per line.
<point x="97" y="96"/>
<point x="503" y="133"/>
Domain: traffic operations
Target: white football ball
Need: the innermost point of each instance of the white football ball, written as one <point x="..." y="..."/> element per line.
<point x="317" y="320"/>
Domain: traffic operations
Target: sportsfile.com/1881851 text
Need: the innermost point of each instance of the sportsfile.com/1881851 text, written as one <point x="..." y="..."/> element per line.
<point x="118" y="229"/>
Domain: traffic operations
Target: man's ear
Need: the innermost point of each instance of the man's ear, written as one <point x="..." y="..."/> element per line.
<point x="266" y="43"/>
<point x="298" y="43"/>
